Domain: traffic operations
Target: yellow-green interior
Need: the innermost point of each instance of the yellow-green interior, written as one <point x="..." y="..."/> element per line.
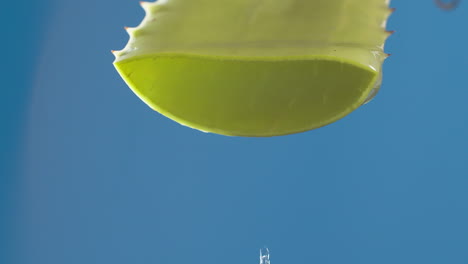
<point x="251" y="97"/>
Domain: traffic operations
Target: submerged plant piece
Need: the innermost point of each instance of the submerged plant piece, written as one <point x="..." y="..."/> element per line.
<point x="256" y="68"/>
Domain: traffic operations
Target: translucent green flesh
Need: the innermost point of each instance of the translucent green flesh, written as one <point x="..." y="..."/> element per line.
<point x="251" y="96"/>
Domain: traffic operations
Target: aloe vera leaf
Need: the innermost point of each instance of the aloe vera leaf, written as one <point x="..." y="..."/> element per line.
<point x="256" y="68"/>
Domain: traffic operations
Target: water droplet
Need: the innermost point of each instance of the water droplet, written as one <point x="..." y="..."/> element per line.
<point x="264" y="256"/>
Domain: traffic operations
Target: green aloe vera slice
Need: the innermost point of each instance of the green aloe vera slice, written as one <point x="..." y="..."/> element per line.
<point x="256" y="68"/>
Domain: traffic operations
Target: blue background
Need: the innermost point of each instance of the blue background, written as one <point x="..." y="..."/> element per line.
<point x="89" y="174"/>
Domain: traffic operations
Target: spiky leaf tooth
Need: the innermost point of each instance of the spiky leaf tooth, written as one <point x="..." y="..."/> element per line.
<point x="256" y="68"/>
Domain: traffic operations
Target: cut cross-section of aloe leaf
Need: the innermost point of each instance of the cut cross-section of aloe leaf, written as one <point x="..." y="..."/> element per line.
<point x="256" y="67"/>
